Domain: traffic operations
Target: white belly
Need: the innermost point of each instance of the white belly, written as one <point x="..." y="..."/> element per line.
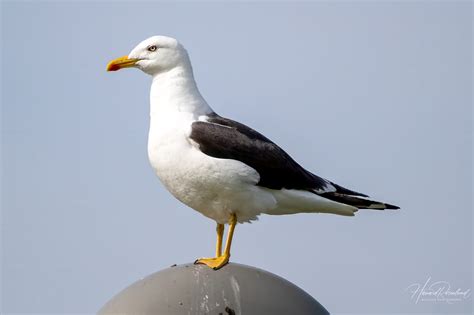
<point x="214" y="187"/>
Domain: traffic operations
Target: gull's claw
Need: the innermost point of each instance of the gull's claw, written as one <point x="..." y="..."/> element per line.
<point x="214" y="263"/>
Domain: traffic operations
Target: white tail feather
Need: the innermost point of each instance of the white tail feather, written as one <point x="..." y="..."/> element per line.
<point x="301" y="201"/>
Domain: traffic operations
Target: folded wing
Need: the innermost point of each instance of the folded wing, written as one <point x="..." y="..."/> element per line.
<point x="227" y="139"/>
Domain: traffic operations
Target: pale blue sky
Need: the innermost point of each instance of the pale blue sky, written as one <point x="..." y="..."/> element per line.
<point x="375" y="96"/>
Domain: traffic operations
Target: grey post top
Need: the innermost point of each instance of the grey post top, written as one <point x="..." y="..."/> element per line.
<point x="196" y="289"/>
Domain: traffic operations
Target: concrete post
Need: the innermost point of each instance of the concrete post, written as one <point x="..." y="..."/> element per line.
<point x="196" y="289"/>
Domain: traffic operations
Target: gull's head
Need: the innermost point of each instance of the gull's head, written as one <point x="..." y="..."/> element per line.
<point x="153" y="55"/>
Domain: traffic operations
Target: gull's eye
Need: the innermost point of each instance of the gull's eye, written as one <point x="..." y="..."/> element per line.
<point x="152" y="48"/>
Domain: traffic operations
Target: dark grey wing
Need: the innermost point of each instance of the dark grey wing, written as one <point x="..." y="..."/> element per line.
<point x="227" y="139"/>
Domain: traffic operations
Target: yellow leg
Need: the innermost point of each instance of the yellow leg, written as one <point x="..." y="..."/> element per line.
<point x="230" y="235"/>
<point x="221" y="260"/>
<point x="220" y="233"/>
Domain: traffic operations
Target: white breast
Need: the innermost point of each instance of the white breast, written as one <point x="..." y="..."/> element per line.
<point x="214" y="187"/>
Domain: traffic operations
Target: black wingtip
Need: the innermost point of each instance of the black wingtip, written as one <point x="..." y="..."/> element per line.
<point x="345" y="191"/>
<point x="391" y="207"/>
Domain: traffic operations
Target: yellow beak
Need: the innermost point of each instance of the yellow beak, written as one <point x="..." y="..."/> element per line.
<point x="122" y="62"/>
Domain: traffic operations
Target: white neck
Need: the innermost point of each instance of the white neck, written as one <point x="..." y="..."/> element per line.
<point x="176" y="91"/>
